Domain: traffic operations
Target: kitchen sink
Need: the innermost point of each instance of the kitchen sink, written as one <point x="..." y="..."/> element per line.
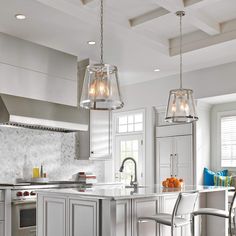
<point x="139" y="186"/>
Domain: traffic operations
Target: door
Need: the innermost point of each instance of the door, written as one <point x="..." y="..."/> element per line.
<point x="54" y="216"/>
<point x="130" y="146"/>
<point x="182" y="159"/>
<point x="164" y="155"/>
<point x="84" y="217"/>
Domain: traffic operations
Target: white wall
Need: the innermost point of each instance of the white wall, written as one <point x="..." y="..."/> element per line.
<point x="215" y="141"/>
<point x="208" y="82"/>
<point x="202" y="141"/>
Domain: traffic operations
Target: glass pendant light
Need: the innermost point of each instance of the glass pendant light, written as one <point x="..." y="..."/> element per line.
<point x="181" y="105"/>
<point x="101" y="88"/>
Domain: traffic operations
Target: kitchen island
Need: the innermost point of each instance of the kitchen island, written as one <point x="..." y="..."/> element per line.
<point x="113" y="210"/>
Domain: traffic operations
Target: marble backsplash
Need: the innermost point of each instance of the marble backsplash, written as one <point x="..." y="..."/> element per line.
<point x="22" y="149"/>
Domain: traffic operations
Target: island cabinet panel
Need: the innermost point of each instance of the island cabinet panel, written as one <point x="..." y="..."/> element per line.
<point x="123" y="217"/>
<point x="167" y="204"/>
<point x="145" y="207"/>
<point x="54" y="217"/>
<point x="83" y="217"/>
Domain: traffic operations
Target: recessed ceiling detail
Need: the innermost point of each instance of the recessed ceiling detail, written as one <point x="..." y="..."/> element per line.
<point x="139" y="33"/>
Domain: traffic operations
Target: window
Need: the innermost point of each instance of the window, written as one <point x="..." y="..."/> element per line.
<point x="129" y="142"/>
<point x="228" y="141"/>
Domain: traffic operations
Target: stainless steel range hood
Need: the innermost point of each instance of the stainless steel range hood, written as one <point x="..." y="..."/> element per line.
<point x="30" y="113"/>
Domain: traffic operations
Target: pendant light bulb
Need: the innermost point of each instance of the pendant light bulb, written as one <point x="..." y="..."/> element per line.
<point x="101" y="87"/>
<point x="181" y="105"/>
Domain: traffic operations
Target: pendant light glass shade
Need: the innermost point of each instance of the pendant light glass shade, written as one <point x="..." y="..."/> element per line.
<point x="101" y="88"/>
<point x="181" y="105"/>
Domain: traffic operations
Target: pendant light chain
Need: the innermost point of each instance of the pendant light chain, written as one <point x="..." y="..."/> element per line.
<point x="180" y="14"/>
<point x="101" y="28"/>
<point x="180" y="53"/>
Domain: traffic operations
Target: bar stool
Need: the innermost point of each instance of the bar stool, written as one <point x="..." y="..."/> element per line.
<point x="180" y="216"/>
<point x="218" y="213"/>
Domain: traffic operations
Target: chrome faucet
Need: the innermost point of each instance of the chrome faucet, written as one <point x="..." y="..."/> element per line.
<point x="133" y="183"/>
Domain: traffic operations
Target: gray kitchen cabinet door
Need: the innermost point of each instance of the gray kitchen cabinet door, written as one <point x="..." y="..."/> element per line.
<point x="83" y="217"/>
<point x="174" y="157"/>
<point x="2" y="231"/>
<point x="183" y="159"/>
<point x="54" y="216"/>
<point x="100" y="135"/>
<point x="145" y="207"/>
<point x="123" y="217"/>
<point x="164" y="156"/>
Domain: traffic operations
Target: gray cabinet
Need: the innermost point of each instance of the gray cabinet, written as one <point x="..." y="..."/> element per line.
<point x="174" y="153"/>
<point x="145" y="207"/>
<point x="54" y="217"/>
<point x="100" y="135"/>
<point x="83" y="217"/>
<point x="123" y="217"/>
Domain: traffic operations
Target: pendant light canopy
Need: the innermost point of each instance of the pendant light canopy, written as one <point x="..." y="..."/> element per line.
<point x="181" y="105"/>
<point x="101" y="87"/>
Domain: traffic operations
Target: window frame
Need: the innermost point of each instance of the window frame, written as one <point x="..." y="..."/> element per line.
<point x="221" y="115"/>
<point x="116" y="135"/>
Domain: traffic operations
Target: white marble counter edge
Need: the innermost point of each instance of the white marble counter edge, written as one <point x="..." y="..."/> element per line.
<point x="66" y="192"/>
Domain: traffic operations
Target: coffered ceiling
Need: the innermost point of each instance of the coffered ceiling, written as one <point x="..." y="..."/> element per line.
<point x="140" y="35"/>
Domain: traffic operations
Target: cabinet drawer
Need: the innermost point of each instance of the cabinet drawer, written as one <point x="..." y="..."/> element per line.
<point x="2" y="195"/>
<point x="2" y="211"/>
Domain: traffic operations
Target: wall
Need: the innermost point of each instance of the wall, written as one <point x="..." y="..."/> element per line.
<point x="215" y="141"/>
<point x="208" y="82"/>
<point x="202" y="141"/>
<point x="22" y="149"/>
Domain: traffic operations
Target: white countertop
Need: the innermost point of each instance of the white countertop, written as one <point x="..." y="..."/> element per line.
<point x="120" y="192"/>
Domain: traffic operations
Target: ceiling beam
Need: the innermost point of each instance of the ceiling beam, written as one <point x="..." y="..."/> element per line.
<point x="198" y="19"/>
<point x="198" y="40"/>
<point x="86" y="1"/>
<point x="199" y="3"/>
<point x="204" y="23"/>
<point x="151" y="15"/>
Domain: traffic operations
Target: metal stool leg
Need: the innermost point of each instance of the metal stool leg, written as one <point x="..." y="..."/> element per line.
<point x="192" y="225"/>
<point x="138" y="227"/>
<point x="230" y="226"/>
<point x="172" y="230"/>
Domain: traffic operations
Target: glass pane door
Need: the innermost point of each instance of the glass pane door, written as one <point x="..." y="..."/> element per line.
<point x="130" y="146"/>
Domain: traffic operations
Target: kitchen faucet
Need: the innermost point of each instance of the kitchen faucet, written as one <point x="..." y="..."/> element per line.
<point x="133" y="183"/>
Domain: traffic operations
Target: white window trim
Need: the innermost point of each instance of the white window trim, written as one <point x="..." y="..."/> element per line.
<point x="218" y="136"/>
<point x="114" y="134"/>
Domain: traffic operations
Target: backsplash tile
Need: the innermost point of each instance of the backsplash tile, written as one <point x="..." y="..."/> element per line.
<point x="22" y="149"/>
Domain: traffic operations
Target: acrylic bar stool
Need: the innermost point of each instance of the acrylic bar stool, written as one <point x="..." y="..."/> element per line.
<point x="216" y="212"/>
<point x="180" y="216"/>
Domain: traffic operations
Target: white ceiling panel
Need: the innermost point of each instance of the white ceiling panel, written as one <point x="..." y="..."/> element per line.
<point x="67" y="25"/>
